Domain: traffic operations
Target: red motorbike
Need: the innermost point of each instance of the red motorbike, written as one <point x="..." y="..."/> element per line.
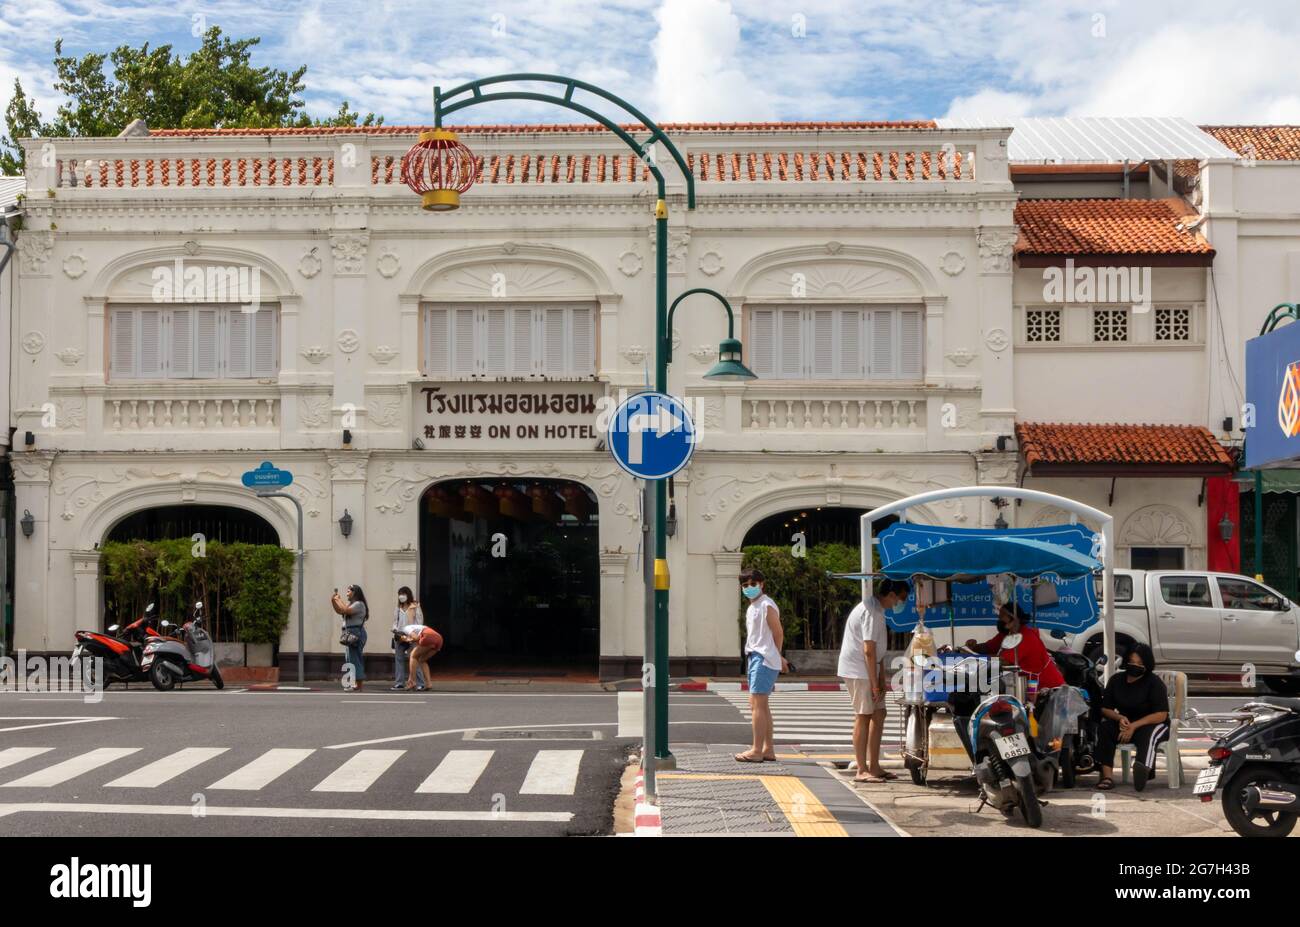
<point x="120" y="648"/>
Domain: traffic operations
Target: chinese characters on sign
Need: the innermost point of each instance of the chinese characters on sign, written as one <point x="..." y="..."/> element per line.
<point x="466" y="415"/>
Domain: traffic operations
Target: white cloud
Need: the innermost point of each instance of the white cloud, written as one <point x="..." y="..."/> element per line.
<point x="992" y="107"/>
<point x="697" y="74"/>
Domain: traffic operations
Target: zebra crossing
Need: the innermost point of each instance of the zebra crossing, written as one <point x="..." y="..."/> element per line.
<point x="815" y="717"/>
<point x="552" y="772"/>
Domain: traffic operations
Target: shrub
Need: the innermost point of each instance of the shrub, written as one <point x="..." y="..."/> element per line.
<point x="813" y="606"/>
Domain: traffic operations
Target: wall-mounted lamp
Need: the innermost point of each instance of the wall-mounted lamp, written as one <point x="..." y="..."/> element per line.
<point x="1225" y="528"/>
<point x="27" y="521"/>
<point x="345" y="524"/>
<point x="1000" y="523"/>
<point x="347" y="437"/>
<point x="29" y="440"/>
<point x="670" y="523"/>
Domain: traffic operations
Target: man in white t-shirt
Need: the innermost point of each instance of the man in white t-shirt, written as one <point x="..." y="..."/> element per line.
<point x="862" y="667"/>
<point x="763" y="662"/>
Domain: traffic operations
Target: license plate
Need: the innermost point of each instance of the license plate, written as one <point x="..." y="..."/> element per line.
<point x="1013" y="746"/>
<point x="1207" y="781"/>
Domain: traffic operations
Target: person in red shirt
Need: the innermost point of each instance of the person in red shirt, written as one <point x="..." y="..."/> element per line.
<point x="1030" y="654"/>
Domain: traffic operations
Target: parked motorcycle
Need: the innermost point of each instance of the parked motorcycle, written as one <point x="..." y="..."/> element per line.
<point x="188" y="658"/>
<point x="1257" y="768"/>
<point x="120" y="649"/>
<point x="1078" y="750"/>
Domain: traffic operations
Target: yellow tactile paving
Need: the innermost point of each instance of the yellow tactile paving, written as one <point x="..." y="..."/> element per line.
<point x="804" y="810"/>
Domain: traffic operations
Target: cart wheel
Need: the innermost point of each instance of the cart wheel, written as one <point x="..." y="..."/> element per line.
<point x="918" y="774"/>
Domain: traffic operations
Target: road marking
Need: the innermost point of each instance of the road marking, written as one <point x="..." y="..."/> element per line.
<point x="52" y="721"/>
<point x="265" y="769"/>
<point x="457" y="772"/>
<point x="631" y="716"/>
<point x="12" y="755"/>
<point x="360" y="772"/>
<point x="464" y="730"/>
<point x="552" y="772"/>
<point x="355" y="814"/>
<point x="70" y="769"/>
<point x="167" y="768"/>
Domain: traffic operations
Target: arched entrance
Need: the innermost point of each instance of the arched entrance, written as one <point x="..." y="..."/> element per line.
<point x="215" y="522"/>
<point x="510" y="574"/>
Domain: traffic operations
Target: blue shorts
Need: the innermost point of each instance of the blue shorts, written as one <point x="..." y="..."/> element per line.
<point x="762" y="678"/>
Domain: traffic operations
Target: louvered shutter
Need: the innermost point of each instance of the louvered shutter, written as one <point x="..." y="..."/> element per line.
<point x="849" y="346"/>
<point x="553" y="342"/>
<point x="207" y="330"/>
<point x="882" y="344"/>
<point x="238" y="343"/>
<point x="761" y="343"/>
<point x="122" y="347"/>
<point x="264" y="342"/>
<point x="821" y="359"/>
<point x="584" y="342"/>
<point x="149" y="353"/>
<point x="521" y="342"/>
<point x="495" y="347"/>
<point x="463" y="343"/>
<point x="181" y="339"/>
<point x="790" y="361"/>
<point x="911" y="339"/>
<point x="437" y="342"/>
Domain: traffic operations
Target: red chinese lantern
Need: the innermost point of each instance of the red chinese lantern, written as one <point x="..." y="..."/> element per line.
<point x="439" y="167"/>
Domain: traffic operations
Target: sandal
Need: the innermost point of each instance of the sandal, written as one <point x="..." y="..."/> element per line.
<point x="747" y="758"/>
<point x="1105" y="784"/>
<point x="871" y="780"/>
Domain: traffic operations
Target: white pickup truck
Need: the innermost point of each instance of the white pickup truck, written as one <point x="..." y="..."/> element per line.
<point x="1201" y="622"/>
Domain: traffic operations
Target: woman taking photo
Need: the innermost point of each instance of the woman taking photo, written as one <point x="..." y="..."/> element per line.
<point x="408" y="613"/>
<point x="354" y="610"/>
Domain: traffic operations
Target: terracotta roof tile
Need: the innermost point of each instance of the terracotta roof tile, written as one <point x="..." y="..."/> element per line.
<point x="1264" y="143"/>
<point x="1142" y="445"/>
<point x="558" y="129"/>
<point x="1077" y="227"/>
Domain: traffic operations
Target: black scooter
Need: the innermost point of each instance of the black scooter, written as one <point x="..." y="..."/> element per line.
<point x="1079" y="750"/>
<point x="1257" y="768"/>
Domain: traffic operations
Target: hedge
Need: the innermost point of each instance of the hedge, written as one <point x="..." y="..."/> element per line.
<point x="813" y="606"/>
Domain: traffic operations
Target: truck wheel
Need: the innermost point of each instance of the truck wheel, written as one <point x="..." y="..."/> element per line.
<point x="162" y="677"/>
<point x="1261" y="823"/>
<point x="1288" y="686"/>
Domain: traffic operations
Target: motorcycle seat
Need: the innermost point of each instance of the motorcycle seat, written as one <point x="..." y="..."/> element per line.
<point x="1290" y="704"/>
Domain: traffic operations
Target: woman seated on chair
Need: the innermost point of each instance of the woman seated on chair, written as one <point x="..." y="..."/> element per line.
<point x="1135" y="710"/>
<point x="1030" y="654"/>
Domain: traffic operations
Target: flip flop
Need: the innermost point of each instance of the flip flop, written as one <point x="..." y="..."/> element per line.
<point x="871" y="780"/>
<point x="888" y="775"/>
<point x="1105" y="784"/>
<point x="746" y="758"/>
<point x="769" y="759"/>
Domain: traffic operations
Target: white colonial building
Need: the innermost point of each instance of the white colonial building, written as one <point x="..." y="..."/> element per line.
<point x="430" y="375"/>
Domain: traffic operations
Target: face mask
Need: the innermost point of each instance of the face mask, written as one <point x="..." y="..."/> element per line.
<point x="1134" y="669"/>
<point x="751" y="592"/>
<point x="899" y="607"/>
<point x="401" y="599"/>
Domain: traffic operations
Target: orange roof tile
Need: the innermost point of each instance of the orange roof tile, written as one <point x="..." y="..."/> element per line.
<point x="561" y="128"/>
<point x="1083" y="227"/>
<point x="1264" y="143"/>
<point x="1173" y="448"/>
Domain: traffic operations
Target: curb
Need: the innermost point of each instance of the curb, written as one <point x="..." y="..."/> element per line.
<point x="744" y="687"/>
<point x="648" y="823"/>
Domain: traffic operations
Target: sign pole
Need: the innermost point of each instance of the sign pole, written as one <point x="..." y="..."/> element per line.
<point x="649" y="684"/>
<point x="301" y="585"/>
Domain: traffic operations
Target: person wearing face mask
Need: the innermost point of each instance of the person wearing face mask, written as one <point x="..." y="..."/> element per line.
<point x="1135" y="710"/>
<point x="862" y="667"/>
<point x="408" y="613"/>
<point x="1030" y="654"/>
<point x="763" y="641"/>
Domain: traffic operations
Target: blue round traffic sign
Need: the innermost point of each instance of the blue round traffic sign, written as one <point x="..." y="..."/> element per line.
<point x="651" y="435"/>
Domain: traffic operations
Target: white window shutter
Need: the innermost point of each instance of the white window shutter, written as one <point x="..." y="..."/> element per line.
<point x="181" y="339"/>
<point x="495" y="346"/>
<point x="911" y="339"/>
<point x="238" y="344"/>
<point x="790" y="361"/>
<point x="265" y="352"/>
<point x="762" y="343"/>
<point x="437" y="342"/>
<point x="521" y="342"/>
<point x="882" y="344"/>
<point x="850" y="344"/>
<point x="150" y="343"/>
<point x="821" y="339"/>
<point x="207" y="329"/>
<point x="122" y="348"/>
<point x="463" y="357"/>
<point x="553" y="342"/>
<point x="584" y="342"/>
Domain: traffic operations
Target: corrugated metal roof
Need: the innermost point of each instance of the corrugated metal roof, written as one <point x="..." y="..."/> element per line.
<point x="1101" y="139"/>
<point x="10" y="187"/>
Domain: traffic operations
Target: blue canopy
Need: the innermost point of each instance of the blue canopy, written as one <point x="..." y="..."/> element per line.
<point x="966" y="560"/>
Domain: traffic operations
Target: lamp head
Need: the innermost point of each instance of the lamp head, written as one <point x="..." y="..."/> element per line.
<point x="729" y="368"/>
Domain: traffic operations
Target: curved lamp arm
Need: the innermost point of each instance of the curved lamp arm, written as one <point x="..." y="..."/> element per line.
<point x="731" y="317"/>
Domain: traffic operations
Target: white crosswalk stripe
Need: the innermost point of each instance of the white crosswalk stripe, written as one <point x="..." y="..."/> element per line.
<point x="262" y="771"/>
<point x="552" y="772"/>
<point x="71" y="768"/>
<point x="457" y="772"/>
<point x="819" y="717"/>
<point x="360" y="771"/>
<point x="166" y="769"/>
<point x="11" y="755"/>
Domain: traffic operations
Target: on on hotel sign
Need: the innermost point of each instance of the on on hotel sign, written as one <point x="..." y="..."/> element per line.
<point x="457" y="416"/>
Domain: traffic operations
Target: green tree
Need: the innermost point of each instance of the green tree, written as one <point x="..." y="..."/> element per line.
<point x="216" y="86"/>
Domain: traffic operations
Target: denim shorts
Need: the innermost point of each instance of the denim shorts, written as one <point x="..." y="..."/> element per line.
<point x="762" y="678"/>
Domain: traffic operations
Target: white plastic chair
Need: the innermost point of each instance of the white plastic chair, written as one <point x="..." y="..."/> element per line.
<point x="1176" y="685"/>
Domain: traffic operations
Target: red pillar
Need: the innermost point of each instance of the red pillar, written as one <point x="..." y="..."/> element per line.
<point x="1222" y="498"/>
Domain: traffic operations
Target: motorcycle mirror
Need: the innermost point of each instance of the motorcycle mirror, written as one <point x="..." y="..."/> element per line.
<point x="149" y="609"/>
<point x="113" y="627"/>
<point x="1011" y="641"/>
<point x="166" y="623"/>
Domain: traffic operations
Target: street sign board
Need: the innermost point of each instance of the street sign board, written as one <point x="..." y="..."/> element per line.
<point x="1272" y="422"/>
<point x="651" y="436"/>
<point x="267" y="476"/>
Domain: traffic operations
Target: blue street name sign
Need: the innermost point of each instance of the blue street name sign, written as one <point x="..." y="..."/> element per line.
<point x="267" y="476"/>
<point x="651" y="436"/>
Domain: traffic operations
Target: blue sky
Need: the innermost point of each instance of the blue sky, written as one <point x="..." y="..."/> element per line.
<point x="678" y="60"/>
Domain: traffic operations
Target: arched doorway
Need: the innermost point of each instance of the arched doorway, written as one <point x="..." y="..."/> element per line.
<point x="215" y="522"/>
<point x="510" y="574"/>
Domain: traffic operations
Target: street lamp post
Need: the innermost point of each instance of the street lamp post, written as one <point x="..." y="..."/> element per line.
<point x="436" y="169"/>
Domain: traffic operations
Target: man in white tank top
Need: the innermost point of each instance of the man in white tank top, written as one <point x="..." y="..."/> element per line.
<point x="763" y="640"/>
